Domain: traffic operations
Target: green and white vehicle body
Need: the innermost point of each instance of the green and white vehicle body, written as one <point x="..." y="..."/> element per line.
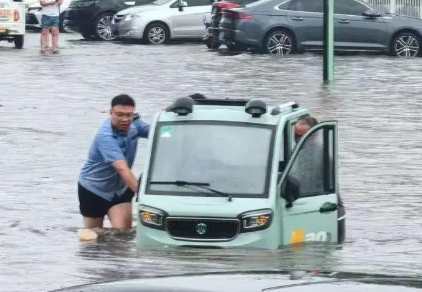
<point x="248" y="159"/>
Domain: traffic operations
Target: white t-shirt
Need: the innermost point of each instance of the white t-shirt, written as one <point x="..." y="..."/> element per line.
<point x="52" y="10"/>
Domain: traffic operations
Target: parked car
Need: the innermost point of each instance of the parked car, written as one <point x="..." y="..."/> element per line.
<point x="212" y="38"/>
<point x="289" y="26"/>
<point x="92" y="18"/>
<point x="12" y="22"/>
<point x="163" y="20"/>
<point x="33" y="15"/>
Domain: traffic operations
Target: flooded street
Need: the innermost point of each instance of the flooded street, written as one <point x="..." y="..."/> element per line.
<point x="51" y="107"/>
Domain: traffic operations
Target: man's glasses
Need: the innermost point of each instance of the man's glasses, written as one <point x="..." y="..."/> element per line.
<point x="121" y="116"/>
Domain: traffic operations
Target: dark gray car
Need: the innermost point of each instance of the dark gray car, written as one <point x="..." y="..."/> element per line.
<point x="288" y="26"/>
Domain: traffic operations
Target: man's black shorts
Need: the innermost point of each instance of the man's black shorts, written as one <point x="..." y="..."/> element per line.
<point x="91" y="205"/>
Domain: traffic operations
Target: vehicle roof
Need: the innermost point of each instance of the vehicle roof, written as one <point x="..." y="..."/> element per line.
<point x="257" y="282"/>
<point x="232" y="110"/>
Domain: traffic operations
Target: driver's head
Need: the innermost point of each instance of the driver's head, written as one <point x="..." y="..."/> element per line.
<point x="303" y="125"/>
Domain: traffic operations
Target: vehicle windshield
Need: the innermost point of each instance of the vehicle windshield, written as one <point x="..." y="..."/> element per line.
<point x="161" y="2"/>
<point x="233" y="158"/>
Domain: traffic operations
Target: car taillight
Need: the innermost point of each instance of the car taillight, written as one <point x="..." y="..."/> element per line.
<point x="238" y="15"/>
<point x="226" y="5"/>
<point x="16" y="16"/>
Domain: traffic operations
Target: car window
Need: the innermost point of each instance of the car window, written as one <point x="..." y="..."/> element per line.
<point x="284" y="5"/>
<point x="349" y="7"/>
<point x="192" y="3"/>
<point x="307" y="5"/>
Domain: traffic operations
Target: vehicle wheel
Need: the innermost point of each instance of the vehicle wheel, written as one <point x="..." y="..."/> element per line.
<point x="156" y="34"/>
<point x="19" y="41"/>
<point x="406" y="44"/>
<point x="279" y="42"/>
<point x="213" y="45"/>
<point x="102" y="28"/>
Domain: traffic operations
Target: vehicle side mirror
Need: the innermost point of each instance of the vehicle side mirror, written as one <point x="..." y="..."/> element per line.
<point x="371" y="13"/>
<point x="182" y="4"/>
<point x="290" y="190"/>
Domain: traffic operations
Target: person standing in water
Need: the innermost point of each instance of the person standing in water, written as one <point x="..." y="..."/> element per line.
<point x="50" y="23"/>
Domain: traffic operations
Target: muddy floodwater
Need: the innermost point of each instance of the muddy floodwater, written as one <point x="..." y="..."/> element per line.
<point x="51" y="106"/>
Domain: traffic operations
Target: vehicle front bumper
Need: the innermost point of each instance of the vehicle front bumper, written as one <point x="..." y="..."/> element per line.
<point x="132" y="29"/>
<point x="152" y="238"/>
<point x="33" y="20"/>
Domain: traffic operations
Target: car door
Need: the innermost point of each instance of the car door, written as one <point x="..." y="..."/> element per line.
<point x="306" y="20"/>
<point x="353" y="30"/>
<point x="188" y="21"/>
<point x="312" y="169"/>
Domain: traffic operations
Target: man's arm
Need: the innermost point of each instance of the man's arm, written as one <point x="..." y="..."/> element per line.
<point x="123" y="169"/>
<point x="142" y="128"/>
<point x="112" y="153"/>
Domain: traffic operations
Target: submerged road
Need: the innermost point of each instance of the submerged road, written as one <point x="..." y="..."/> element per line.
<point x="51" y="107"/>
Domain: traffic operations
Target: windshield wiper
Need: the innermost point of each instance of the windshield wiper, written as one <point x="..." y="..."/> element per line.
<point x="202" y="185"/>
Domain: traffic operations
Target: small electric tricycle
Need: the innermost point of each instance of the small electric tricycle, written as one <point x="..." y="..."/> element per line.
<point x="230" y="173"/>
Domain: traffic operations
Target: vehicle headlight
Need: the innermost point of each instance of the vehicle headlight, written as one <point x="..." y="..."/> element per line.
<point x="256" y="220"/>
<point x="151" y="217"/>
<point x="132" y="16"/>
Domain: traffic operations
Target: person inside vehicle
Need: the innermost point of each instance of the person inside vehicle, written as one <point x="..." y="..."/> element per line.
<point x="313" y="159"/>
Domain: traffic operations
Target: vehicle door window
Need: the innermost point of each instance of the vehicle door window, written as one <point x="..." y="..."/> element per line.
<point x="193" y="3"/>
<point x="349" y="7"/>
<point x="313" y="167"/>
<point x="285" y="5"/>
<point x="307" y="5"/>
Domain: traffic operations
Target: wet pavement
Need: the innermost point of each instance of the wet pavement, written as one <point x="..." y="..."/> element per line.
<point x="51" y="106"/>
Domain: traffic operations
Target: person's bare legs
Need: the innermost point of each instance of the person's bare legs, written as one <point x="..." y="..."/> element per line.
<point x="121" y="216"/>
<point x="44" y="38"/>
<point x="90" y="222"/>
<point x="55" y="38"/>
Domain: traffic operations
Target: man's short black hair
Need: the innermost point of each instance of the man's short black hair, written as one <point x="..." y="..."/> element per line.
<point x="122" y="99"/>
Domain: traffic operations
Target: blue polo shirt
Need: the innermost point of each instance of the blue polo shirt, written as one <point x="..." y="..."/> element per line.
<point x="98" y="175"/>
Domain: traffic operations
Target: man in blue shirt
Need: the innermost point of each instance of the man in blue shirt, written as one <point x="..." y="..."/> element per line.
<point x="106" y="183"/>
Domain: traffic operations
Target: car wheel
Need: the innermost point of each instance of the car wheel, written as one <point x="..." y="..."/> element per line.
<point x="406" y="45"/>
<point x="156" y="34"/>
<point x="102" y="29"/>
<point x="19" y="41"/>
<point x="279" y="42"/>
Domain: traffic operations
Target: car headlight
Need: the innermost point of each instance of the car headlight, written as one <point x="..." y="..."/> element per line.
<point x="256" y="220"/>
<point x="151" y="217"/>
<point x="132" y="16"/>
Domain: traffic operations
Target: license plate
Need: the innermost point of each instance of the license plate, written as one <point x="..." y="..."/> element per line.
<point x="221" y="36"/>
<point x="4" y="13"/>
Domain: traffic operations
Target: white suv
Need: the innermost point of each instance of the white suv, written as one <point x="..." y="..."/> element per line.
<point x="12" y="21"/>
